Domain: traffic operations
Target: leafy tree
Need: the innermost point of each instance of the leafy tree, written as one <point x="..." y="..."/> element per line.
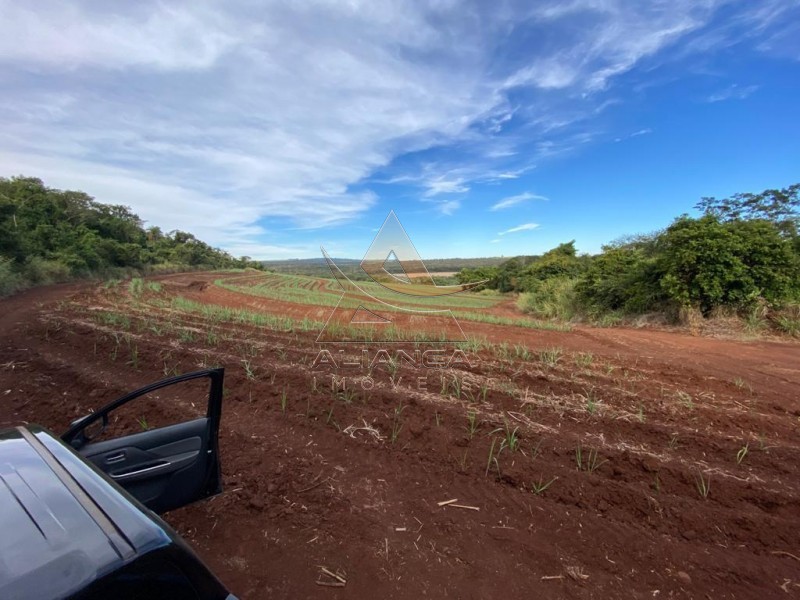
<point x="51" y="235"/>
<point x="625" y="277"/>
<point x="471" y="275"/>
<point x="743" y="249"/>
<point x="708" y="263"/>
<point x="9" y="228"/>
<point x="508" y="274"/>
<point x="778" y="206"/>
<point x="560" y="262"/>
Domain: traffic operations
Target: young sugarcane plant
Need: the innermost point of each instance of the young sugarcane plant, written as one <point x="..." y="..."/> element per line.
<point x="740" y="455"/>
<point x="540" y="487"/>
<point x="592" y="461"/>
<point x="703" y="485"/>
<point x="510" y="438"/>
<point x="397" y="424"/>
<point x="491" y="458"/>
<point x="472" y="423"/>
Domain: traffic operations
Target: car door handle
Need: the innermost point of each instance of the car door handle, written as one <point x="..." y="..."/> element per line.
<point x="149" y="470"/>
<point x="115" y="458"/>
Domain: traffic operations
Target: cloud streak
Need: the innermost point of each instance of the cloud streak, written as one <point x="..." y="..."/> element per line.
<point x="518" y="228"/>
<point x="733" y="92"/>
<point x="240" y="122"/>
<point x="512" y="201"/>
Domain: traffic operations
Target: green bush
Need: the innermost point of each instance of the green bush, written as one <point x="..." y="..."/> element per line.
<point x="488" y="293"/>
<point x="707" y="263"/>
<point x="49" y="235"/>
<point x="471" y="275"/>
<point x="787" y="320"/>
<point x="623" y="279"/>
<point x="704" y="264"/>
<point x="136" y="287"/>
<point x="10" y="281"/>
<point x="560" y="262"/>
<point x="38" y="270"/>
<point x="551" y="298"/>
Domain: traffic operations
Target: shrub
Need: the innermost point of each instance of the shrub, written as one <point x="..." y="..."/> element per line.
<point x="704" y="264"/>
<point x="623" y="278"/>
<point x="10" y="281"/>
<point x="38" y="270"/>
<point x="471" y="275"/>
<point x="551" y="299"/>
<point x="488" y="292"/>
<point x="787" y="320"/>
<point x="561" y="261"/>
<point x="708" y="263"/>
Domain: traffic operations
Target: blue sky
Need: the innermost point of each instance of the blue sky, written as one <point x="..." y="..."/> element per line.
<point x="500" y="128"/>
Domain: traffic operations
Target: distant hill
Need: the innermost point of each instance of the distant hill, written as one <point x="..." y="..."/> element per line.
<point x="317" y="267"/>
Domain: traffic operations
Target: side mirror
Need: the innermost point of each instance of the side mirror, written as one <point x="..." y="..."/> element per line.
<point x="92" y="431"/>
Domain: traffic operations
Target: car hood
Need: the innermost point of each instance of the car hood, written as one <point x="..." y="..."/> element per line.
<point x="61" y="525"/>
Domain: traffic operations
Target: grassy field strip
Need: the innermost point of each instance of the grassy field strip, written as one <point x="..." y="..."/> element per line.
<point x="314" y="297"/>
<point x="273" y="281"/>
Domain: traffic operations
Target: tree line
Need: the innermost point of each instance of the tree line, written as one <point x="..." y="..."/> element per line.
<point x="742" y="253"/>
<point x="49" y="235"/>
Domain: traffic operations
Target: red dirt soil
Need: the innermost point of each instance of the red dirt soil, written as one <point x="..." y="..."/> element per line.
<point x="323" y="482"/>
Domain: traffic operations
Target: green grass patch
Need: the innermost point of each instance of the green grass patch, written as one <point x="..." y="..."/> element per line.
<point x="216" y="313"/>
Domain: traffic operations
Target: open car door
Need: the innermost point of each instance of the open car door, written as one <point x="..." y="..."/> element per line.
<point x="164" y="468"/>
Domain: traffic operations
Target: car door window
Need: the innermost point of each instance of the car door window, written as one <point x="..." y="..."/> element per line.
<point x="156" y="442"/>
<point x="177" y="403"/>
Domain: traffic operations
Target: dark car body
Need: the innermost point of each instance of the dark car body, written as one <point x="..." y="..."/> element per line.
<point x="69" y="529"/>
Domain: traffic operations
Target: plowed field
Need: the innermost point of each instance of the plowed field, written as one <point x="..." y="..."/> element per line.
<point x="583" y="463"/>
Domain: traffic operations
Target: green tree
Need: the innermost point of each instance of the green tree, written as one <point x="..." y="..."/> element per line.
<point x="471" y="275"/>
<point x="778" y="206"/>
<point x="625" y="277"/>
<point x="708" y="263"/>
<point x="49" y="235"/>
<point x="560" y="262"/>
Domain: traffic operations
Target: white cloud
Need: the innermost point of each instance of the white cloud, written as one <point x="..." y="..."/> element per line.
<point x="518" y="228"/>
<point x="65" y="35"/>
<point x="733" y="92"/>
<point x="616" y="36"/>
<point x="444" y="207"/>
<point x="274" y="251"/>
<point x="221" y="118"/>
<point x="640" y="132"/>
<point x="512" y="201"/>
<point x="249" y="116"/>
<point x="449" y="207"/>
<point x="443" y="185"/>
